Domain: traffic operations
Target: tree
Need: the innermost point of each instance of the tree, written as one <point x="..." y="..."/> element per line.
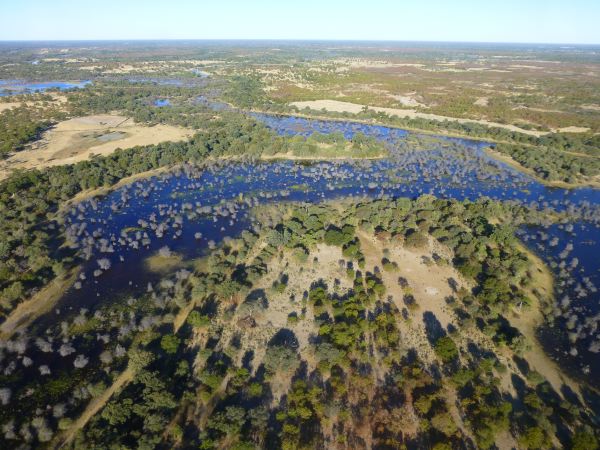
<point x="229" y="422"/>
<point x="280" y="358"/>
<point x="446" y="349"/>
<point x="584" y="439"/>
<point x="444" y="423"/>
<point x="116" y="413"/>
<point x="416" y="240"/>
<point x="170" y="343"/>
<point x="139" y="358"/>
<point x="197" y="320"/>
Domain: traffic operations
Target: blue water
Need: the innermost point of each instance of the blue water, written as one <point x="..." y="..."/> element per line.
<point x="15" y="87"/>
<point x="215" y="200"/>
<point x="162" y="102"/>
<point x="200" y="73"/>
<point x="211" y="104"/>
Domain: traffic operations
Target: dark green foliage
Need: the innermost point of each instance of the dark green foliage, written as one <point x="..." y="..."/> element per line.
<point x="584" y="439"/>
<point x="281" y="358"/>
<point x="197" y="320"/>
<point x="18" y="126"/>
<point x="554" y="165"/>
<point x="446" y="349"/>
<point x="416" y="239"/>
<point x="169" y="343"/>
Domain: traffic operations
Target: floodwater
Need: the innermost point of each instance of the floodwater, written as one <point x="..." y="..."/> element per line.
<point x="162" y="102"/>
<point x="15" y="87"/>
<point x="134" y="222"/>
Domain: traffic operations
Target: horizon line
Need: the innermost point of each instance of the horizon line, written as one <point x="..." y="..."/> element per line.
<point x="294" y="40"/>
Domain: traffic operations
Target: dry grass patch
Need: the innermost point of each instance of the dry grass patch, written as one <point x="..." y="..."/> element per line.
<point x="354" y="108"/>
<point x="78" y="139"/>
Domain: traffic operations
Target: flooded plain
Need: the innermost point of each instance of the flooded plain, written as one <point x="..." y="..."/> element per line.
<point x="180" y="215"/>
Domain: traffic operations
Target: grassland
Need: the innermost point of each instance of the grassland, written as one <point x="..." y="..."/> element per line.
<point x="78" y="139"/>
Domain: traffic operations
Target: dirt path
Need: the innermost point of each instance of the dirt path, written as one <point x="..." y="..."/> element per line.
<point x="42" y="302"/>
<point x="96" y="405"/>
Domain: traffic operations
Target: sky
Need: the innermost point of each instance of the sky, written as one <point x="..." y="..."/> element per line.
<point x="526" y="21"/>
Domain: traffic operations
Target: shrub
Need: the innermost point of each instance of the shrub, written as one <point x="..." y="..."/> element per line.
<point x="446" y="349"/>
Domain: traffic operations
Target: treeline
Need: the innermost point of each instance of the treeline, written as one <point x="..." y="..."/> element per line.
<point x="572" y="142"/>
<point x="551" y="164"/>
<point x="333" y="145"/>
<point x="19" y="126"/>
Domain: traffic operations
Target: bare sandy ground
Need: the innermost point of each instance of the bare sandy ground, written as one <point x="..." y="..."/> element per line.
<point x="572" y="130"/>
<point x="430" y="287"/>
<point x="58" y="100"/>
<point x="427" y="283"/>
<point x="482" y="101"/>
<point x="408" y="100"/>
<point x="354" y="108"/>
<point x="77" y="139"/>
<point x="5" y="106"/>
<point x="591" y="107"/>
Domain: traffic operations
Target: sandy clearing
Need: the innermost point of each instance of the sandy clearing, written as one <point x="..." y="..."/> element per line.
<point x="482" y="101"/>
<point x="408" y="100"/>
<point x="5" y="106"/>
<point x="77" y="139"/>
<point x="430" y="287"/>
<point x="280" y="305"/>
<point x="544" y="110"/>
<point x="571" y="129"/>
<point x="57" y="101"/>
<point x="355" y="108"/>
<point x="428" y="284"/>
<point x="591" y="107"/>
<point x="525" y="66"/>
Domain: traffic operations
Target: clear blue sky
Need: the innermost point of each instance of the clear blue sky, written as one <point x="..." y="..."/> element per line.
<point x="552" y="21"/>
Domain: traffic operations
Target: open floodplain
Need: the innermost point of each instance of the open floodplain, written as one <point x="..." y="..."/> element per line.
<point x="190" y="258"/>
<point x="187" y="211"/>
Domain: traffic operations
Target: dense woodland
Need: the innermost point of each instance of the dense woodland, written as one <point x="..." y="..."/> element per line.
<point x="19" y="126"/>
<point x="551" y="164"/>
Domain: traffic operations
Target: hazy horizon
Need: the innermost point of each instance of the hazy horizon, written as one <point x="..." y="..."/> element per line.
<point x="463" y="21"/>
<point x="307" y="40"/>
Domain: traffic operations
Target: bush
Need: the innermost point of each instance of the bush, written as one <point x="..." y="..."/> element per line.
<point x="197" y="320"/>
<point x="169" y="343"/>
<point x="446" y="349"/>
<point x="279" y="358"/>
<point x="416" y="240"/>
